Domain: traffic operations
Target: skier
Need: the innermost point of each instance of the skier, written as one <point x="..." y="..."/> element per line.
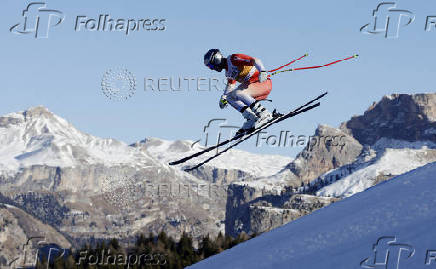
<point x="254" y="86"/>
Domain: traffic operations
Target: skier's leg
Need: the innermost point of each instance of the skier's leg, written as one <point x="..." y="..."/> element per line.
<point x="248" y="93"/>
<point x="236" y="104"/>
<point x="247" y="113"/>
<point x="260" y="90"/>
<point x="243" y="94"/>
<point x="251" y="94"/>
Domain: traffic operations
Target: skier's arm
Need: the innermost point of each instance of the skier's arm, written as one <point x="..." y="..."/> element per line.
<point x="231" y="84"/>
<point x="263" y="75"/>
<point x="259" y="65"/>
<point x="242" y="60"/>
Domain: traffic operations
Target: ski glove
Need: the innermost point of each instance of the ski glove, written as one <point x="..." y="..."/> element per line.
<point x="223" y="101"/>
<point x="263" y="76"/>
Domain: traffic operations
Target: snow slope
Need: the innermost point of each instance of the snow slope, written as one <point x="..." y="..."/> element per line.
<point x="346" y="233"/>
<point x="389" y="157"/>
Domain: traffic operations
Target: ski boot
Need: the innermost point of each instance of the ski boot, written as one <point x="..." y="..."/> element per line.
<point x="262" y="114"/>
<point x="249" y="124"/>
<point x="276" y="114"/>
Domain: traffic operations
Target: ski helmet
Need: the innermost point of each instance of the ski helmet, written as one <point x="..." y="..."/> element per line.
<point x="214" y="59"/>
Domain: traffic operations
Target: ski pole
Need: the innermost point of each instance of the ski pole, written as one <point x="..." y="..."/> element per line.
<point x="291" y="62"/>
<point x="313" y="67"/>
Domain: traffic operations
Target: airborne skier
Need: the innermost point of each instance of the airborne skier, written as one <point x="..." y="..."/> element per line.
<point x="254" y="86"/>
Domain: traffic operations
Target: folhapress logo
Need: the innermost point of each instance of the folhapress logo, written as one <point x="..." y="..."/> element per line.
<point x="37" y="20"/>
<point x="388" y="20"/>
<point x="387" y="254"/>
<point x="105" y="23"/>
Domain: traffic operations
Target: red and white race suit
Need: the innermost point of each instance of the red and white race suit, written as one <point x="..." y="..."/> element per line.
<point x="245" y="70"/>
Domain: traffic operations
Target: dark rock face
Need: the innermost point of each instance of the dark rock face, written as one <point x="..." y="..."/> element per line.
<point x="263" y="218"/>
<point x="328" y="149"/>
<point x="398" y="116"/>
<point x="43" y="205"/>
<point x="22" y="234"/>
<point x="219" y="176"/>
<point x="290" y="207"/>
<point x="237" y="208"/>
<point x="255" y="210"/>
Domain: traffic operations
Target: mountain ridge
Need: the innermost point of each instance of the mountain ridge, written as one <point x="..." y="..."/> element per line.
<point x="335" y="170"/>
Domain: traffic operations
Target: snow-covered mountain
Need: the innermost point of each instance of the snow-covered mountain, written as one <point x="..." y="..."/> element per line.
<point x="386" y="158"/>
<point x="87" y="186"/>
<point x="398" y="134"/>
<point x="390" y="225"/>
<point x="38" y="137"/>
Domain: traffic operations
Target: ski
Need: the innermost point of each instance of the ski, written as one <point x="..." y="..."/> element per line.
<point x="245" y="136"/>
<point x="263" y="127"/>
<point x="236" y="137"/>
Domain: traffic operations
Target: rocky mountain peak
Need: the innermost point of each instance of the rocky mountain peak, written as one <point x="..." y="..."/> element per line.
<point x="33" y="118"/>
<point x="327" y="149"/>
<point x="37" y="111"/>
<point x="409" y="117"/>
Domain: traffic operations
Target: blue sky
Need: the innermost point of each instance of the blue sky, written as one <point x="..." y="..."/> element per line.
<point x="63" y="72"/>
